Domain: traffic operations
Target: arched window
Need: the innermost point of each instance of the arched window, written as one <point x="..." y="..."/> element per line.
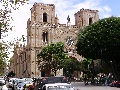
<point x="45" y="36"/>
<point x="82" y="21"/>
<point x="90" y="20"/>
<point x="44" y="17"/>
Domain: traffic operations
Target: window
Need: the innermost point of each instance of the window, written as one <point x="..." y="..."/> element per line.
<point x="90" y="21"/>
<point x="44" y="17"/>
<point x="82" y="21"/>
<point x="45" y="36"/>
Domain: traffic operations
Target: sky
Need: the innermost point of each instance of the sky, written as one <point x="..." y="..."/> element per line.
<point x="63" y="8"/>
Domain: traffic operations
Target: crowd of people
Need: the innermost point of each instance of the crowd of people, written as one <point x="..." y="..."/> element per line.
<point x="99" y="79"/>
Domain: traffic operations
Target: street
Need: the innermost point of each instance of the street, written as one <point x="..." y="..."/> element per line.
<point x="81" y="86"/>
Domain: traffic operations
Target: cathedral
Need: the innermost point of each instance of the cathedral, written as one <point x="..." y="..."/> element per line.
<point x="43" y="28"/>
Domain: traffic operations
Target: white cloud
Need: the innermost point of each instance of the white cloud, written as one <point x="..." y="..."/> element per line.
<point x="69" y="7"/>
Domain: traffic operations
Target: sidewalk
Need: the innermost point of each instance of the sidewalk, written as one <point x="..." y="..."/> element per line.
<point x="82" y="86"/>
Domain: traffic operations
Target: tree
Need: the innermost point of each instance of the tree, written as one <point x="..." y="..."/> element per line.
<point x="71" y="65"/>
<point x="86" y="63"/>
<point x="3" y="56"/>
<point x="52" y="57"/>
<point x="101" y="41"/>
<point x="7" y="6"/>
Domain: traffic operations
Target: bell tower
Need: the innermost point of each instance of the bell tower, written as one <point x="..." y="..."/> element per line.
<point x="86" y="17"/>
<point x="41" y="12"/>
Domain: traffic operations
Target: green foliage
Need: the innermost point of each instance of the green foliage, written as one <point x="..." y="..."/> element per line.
<point x="52" y="56"/>
<point x="7" y="6"/>
<point x="3" y="56"/>
<point x="86" y="65"/>
<point x="71" y="65"/>
<point x="101" y="41"/>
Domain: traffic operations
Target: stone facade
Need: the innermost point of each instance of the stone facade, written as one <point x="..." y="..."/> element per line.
<point x="44" y="28"/>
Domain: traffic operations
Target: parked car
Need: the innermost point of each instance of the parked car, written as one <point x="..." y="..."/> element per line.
<point x="11" y="82"/>
<point x="17" y="81"/>
<point x="4" y="87"/>
<point x="48" y="80"/>
<point x="29" y="80"/>
<point x="2" y="81"/>
<point x="57" y="86"/>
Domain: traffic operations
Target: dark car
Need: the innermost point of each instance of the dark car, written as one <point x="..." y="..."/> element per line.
<point x="47" y="80"/>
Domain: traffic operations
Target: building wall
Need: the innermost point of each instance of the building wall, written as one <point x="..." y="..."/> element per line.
<point x="82" y="17"/>
<point x="44" y="28"/>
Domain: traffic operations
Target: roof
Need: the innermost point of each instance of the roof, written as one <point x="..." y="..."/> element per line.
<point x="50" y="85"/>
<point x="56" y="84"/>
<point x="62" y="84"/>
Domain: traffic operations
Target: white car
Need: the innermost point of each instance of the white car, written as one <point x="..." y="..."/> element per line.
<point x="57" y="86"/>
<point x="29" y="80"/>
<point x="49" y="87"/>
<point x="11" y="82"/>
<point x="2" y="81"/>
<point x="4" y="87"/>
<point x="64" y="86"/>
<point x="17" y="81"/>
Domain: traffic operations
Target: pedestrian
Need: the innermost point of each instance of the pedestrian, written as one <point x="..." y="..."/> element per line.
<point x="106" y="80"/>
<point x="74" y="79"/>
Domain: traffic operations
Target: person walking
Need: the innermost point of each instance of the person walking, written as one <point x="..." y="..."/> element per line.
<point x="106" y="80"/>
